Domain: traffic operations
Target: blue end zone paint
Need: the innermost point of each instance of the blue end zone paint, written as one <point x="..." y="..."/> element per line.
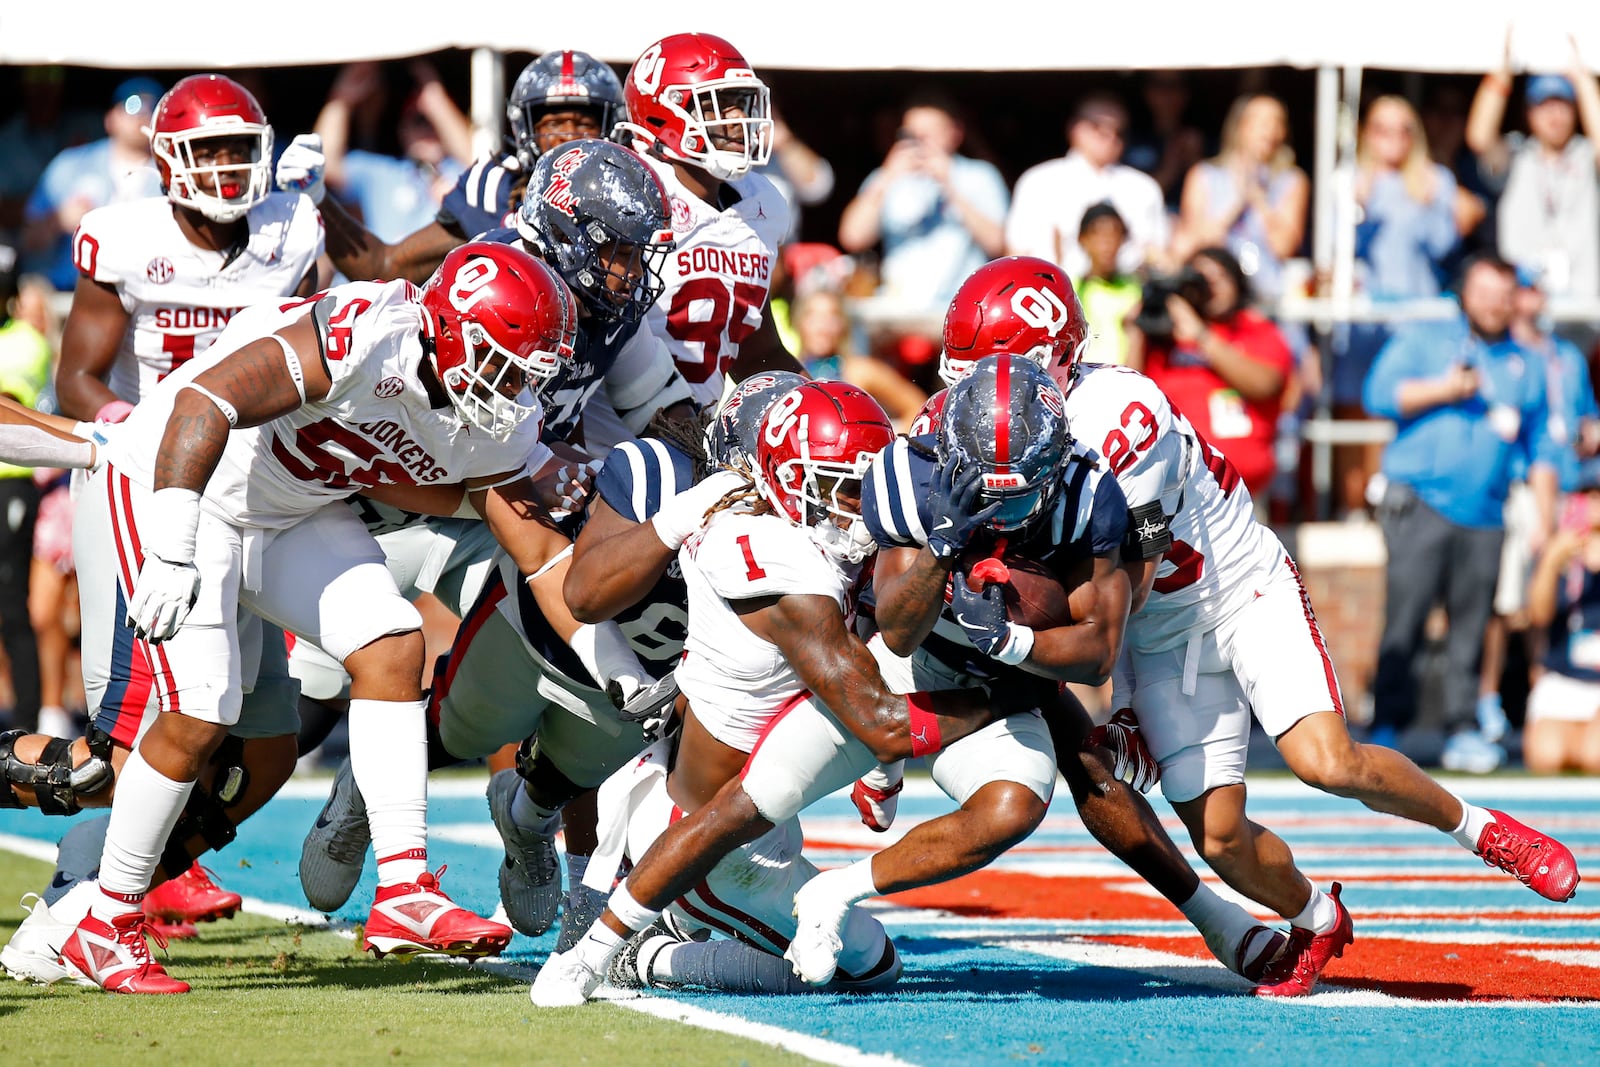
<point x="971" y="996"/>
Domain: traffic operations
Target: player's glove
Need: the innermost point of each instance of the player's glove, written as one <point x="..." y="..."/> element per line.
<point x="99" y="434"/>
<point x="683" y="515"/>
<point x="1131" y="759"/>
<point x="650" y="706"/>
<point x="982" y="615"/>
<point x="954" y="499"/>
<point x="168" y="581"/>
<point x="301" y="165"/>
<point x="877" y="795"/>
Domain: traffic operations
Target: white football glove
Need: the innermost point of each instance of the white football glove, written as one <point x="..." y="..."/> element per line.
<point x="162" y="598"/>
<point x="682" y="516"/>
<point x="301" y="165"/>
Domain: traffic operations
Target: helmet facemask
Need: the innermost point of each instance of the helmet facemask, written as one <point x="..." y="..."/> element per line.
<point x="825" y="497"/>
<point x="250" y="181"/>
<point x="725" y="147"/>
<point x="493" y="388"/>
<point x="617" y="279"/>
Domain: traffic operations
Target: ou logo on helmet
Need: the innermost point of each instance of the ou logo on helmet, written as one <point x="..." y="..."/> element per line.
<point x="471" y="283"/>
<point x="1041" y="309"/>
<point x="782" y="417"/>
<point x="647" y="70"/>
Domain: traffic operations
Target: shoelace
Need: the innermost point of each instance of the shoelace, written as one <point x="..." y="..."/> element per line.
<point x="1511" y="852"/>
<point x="1289" y="964"/>
<point x="203" y="877"/>
<point x="132" y="937"/>
<point x="430" y="882"/>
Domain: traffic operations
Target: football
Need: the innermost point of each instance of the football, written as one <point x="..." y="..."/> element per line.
<point x="1034" y="595"/>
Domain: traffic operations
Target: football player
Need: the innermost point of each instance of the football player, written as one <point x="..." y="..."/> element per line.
<point x="158" y="280"/>
<point x="213" y="504"/>
<point x="558" y="97"/>
<point x="598" y="215"/>
<point x="1228" y="631"/>
<point x="771" y="582"/>
<point x="701" y="117"/>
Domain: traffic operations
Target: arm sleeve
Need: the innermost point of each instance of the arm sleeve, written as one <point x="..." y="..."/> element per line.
<point x="639" y="476"/>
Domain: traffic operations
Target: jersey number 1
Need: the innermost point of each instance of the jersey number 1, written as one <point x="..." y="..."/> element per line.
<point x="752" y="571"/>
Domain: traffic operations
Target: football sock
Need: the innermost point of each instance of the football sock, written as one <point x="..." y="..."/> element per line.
<point x="1473" y="820"/>
<point x="597" y="946"/>
<point x="727" y="966"/>
<point x="146" y="809"/>
<point x="846" y="884"/>
<point x="530" y="815"/>
<point x="1319" y="915"/>
<point x="1227" y="928"/>
<point x="634" y="916"/>
<point x="389" y="759"/>
<point x="77" y="856"/>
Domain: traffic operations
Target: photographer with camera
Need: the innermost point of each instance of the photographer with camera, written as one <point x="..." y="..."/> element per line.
<point x="1221" y="362"/>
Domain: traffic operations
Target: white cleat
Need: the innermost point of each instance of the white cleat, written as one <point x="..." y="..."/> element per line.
<point x="564" y="981"/>
<point x="530" y="874"/>
<point x="819" y="934"/>
<point x="34" y="952"/>
<point x="336" y="848"/>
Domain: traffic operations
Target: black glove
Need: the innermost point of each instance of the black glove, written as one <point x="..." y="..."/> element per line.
<point x="954" y="499"/>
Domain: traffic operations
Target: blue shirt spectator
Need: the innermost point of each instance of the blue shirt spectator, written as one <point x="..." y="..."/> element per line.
<point x="1486" y="426"/>
<point x="1574" y="423"/>
<point x="395" y="197"/>
<point x="77" y="180"/>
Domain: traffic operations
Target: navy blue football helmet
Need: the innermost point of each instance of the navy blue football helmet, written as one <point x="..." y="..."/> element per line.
<point x="1008" y="417"/>
<point x="733" y="432"/>
<point x="561" y="81"/>
<point x="597" y="213"/>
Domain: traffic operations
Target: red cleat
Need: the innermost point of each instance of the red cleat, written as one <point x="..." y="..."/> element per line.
<point x="418" y="917"/>
<point x="1538" y="861"/>
<point x="192" y="897"/>
<point x="114" y="956"/>
<point x="1296" y="972"/>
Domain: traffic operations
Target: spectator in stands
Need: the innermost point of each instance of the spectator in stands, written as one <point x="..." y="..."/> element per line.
<point x="1406" y="228"/>
<point x="1052" y="196"/>
<point x="938" y="214"/>
<point x="803" y="177"/>
<point x="392" y="196"/>
<point x="1470" y="417"/>
<point x="1171" y="144"/>
<point x="823" y="328"/>
<point x="1223" y="364"/>
<point x="25" y="359"/>
<point x="1444" y="123"/>
<point x="1250" y="197"/>
<point x="80" y="179"/>
<point x="1563" y="726"/>
<point x="1548" y="217"/>
<point x="1109" y="297"/>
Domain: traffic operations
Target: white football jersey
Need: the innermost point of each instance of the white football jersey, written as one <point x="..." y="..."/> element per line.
<point x="736" y="681"/>
<point x="376" y="426"/>
<point x="717" y="278"/>
<point x="180" y="296"/>
<point x="1220" y="554"/>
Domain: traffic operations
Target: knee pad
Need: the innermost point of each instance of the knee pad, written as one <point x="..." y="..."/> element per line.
<point x="205" y="815"/>
<point x="547" y="786"/>
<point x="54" y="780"/>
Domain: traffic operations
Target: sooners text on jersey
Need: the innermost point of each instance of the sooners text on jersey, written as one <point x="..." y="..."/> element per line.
<point x="179" y="297"/>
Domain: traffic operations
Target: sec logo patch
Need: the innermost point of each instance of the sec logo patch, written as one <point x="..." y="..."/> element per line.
<point x="393" y="385"/>
<point x="681" y="215"/>
<point x="159" y="271"/>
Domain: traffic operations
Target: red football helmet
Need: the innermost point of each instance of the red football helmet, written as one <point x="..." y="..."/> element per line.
<point x="680" y="93"/>
<point x="1021" y="305"/>
<point x="931" y="415"/>
<point x="816" y="440"/>
<point x="210" y="108"/>
<point x="498" y="322"/>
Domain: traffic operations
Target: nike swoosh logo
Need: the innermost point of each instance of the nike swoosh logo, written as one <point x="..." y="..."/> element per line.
<point x="964" y="623"/>
<point x="61" y="880"/>
<point x="322" y="819"/>
<point x="612" y="336"/>
<point x="945" y="524"/>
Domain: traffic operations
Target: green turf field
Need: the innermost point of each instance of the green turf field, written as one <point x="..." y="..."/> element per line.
<point x="270" y="993"/>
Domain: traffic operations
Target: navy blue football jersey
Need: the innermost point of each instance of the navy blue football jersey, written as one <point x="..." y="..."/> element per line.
<point x="1089" y="519"/>
<point x="482" y="197"/>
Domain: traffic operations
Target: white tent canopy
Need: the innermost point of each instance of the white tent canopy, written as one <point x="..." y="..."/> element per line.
<point x="1461" y="35"/>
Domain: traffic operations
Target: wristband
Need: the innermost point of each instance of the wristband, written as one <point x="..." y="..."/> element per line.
<point x="1018" y="645"/>
<point x="171" y="537"/>
<point x="925" y="739"/>
<point x="114" y="411"/>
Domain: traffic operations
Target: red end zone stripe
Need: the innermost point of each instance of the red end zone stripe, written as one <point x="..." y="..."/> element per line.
<point x="1002" y="416"/>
